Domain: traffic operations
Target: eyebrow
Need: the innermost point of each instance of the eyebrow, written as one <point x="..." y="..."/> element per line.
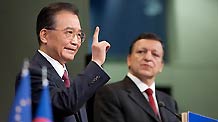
<point x="153" y="50"/>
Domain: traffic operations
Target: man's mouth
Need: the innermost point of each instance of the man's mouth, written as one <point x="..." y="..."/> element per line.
<point x="71" y="49"/>
<point x="146" y="65"/>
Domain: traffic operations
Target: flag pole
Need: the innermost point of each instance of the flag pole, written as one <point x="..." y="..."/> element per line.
<point x="25" y="70"/>
<point x="44" y="77"/>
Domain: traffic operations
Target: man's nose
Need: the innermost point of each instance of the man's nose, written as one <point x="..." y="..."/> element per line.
<point x="75" y="39"/>
<point x="147" y="56"/>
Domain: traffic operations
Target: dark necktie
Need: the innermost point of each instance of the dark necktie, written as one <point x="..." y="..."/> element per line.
<point x="66" y="79"/>
<point x="151" y="100"/>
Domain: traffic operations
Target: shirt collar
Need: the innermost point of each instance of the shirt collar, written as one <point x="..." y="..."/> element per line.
<point x="57" y="66"/>
<point x="142" y="86"/>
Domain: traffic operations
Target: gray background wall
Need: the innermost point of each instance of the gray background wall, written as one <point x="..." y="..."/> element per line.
<point x="193" y="48"/>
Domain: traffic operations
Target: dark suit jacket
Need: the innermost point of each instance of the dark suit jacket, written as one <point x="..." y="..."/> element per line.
<point x="67" y="103"/>
<point x="123" y="102"/>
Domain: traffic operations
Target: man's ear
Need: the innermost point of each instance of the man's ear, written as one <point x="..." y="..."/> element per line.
<point x="128" y="61"/>
<point x="43" y="34"/>
<point x="161" y="69"/>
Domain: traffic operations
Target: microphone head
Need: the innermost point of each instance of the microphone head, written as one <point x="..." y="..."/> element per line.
<point x="161" y="104"/>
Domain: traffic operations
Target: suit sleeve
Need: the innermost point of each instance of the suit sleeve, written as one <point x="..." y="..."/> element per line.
<point x="107" y="107"/>
<point x="66" y="101"/>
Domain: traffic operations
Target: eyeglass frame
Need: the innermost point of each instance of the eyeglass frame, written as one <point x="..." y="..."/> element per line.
<point x="70" y="34"/>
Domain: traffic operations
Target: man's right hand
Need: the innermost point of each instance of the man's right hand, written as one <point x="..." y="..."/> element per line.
<point x="99" y="49"/>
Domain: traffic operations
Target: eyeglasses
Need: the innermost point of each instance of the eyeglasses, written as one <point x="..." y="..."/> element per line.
<point x="70" y="34"/>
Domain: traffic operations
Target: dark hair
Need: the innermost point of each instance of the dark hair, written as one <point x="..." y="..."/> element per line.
<point x="46" y="16"/>
<point x="146" y="36"/>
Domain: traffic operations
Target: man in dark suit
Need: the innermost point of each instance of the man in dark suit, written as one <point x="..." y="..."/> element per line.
<point x="129" y="100"/>
<point x="60" y="36"/>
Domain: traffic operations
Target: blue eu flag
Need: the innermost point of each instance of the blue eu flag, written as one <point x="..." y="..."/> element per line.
<point x="44" y="111"/>
<point x="21" y="108"/>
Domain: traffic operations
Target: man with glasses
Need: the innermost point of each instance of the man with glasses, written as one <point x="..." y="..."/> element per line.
<point x="60" y="37"/>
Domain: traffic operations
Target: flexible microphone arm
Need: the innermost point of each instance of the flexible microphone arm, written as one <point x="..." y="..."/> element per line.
<point x="162" y="104"/>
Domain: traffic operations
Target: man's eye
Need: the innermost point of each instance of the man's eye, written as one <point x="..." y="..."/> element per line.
<point x="156" y="55"/>
<point x="69" y="32"/>
<point x="141" y="52"/>
<point x="79" y="34"/>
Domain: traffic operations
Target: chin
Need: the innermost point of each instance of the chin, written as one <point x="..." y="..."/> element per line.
<point x="69" y="58"/>
<point x="146" y="73"/>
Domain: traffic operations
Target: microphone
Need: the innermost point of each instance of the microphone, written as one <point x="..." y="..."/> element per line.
<point x="162" y="104"/>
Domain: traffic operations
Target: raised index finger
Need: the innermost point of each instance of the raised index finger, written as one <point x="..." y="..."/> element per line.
<point x="95" y="36"/>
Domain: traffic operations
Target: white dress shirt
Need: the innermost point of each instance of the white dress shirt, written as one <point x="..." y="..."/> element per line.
<point x="142" y="87"/>
<point x="57" y="66"/>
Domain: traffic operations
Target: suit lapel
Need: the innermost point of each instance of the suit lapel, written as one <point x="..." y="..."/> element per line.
<point x="55" y="78"/>
<point x="164" y="115"/>
<point x="52" y="74"/>
<point x="136" y="96"/>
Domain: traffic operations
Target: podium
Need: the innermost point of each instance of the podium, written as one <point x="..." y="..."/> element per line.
<point x="194" y="117"/>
